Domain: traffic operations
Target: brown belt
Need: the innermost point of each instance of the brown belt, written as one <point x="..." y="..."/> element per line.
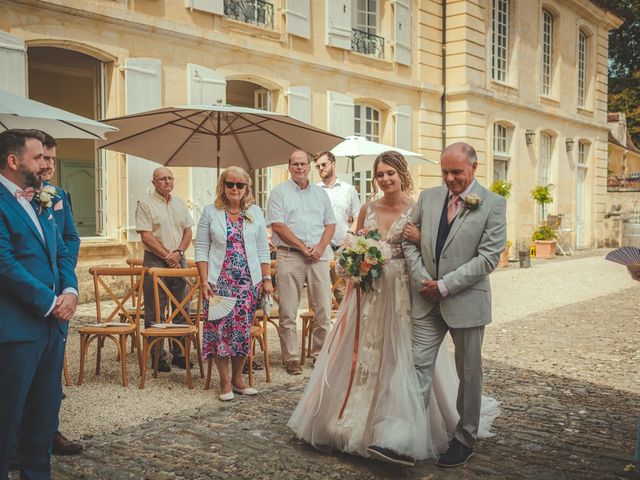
<point x="289" y="249"/>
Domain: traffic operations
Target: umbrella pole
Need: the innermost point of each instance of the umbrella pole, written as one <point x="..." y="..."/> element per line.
<point x="218" y="148"/>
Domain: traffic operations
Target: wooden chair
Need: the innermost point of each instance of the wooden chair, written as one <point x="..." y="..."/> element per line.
<point x="105" y="327"/>
<point x="154" y="336"/>
<point x="307" y="318"/>
<point x="65" y="371"/>
<point x="259" y="336"/>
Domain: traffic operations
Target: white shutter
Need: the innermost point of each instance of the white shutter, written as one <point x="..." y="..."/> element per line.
<point x="298" y="18"/>
<point x="13" y="68"/>
<point x="339" y="23"/>
<point x="204" y="86"/>
<point x="300" y="103"/>
<point x="402" y="45"/>
<point x="211" y="6"/>
<point x="143" y="91"/>
<point x="403" y="127"/>
<point x="340" y="108"/>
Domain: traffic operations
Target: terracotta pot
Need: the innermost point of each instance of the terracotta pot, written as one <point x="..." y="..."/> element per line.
<point x="504" y="258"/>
<point x="545" y="248"/>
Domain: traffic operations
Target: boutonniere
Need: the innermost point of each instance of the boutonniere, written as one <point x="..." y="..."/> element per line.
<point x="45" y="197"/>
<point x="246" y="216"/>
<point x="471" y="202"/>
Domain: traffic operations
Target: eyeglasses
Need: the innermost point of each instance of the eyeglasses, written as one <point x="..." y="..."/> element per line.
<point x="238" y="185"/>
<point x="322" y="166"/>
<point x="298" y="165"/>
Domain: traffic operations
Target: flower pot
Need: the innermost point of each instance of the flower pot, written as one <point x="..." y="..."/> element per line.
<point x="504" y="258"/>
<point x="545" y="248"/>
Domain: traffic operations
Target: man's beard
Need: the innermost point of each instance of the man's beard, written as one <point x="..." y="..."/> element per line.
<point x="29" y="178"/>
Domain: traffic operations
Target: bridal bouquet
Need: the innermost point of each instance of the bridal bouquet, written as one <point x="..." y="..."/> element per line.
<point x="362" y="258"/>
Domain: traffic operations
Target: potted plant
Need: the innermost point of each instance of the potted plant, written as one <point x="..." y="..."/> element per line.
<point x="542" y="195"/>
<point x="504" y="256"/>
<point x="544" y="238"/>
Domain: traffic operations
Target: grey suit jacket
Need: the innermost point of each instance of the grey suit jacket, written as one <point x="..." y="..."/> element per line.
<point x="470" y="253"/>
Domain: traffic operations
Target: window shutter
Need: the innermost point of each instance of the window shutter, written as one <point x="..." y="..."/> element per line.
<point x="402" y="46"/>
<point x="13" y="64"/>
<point x="211" y="6"/>
<point x="143" y="91"/>
<point x="339" y="24"/>
<point x="403" y="127"/>
<point x="204" y="86"/>
<point x="340" y="108"/>
<point x="298" y="18"/>
<point x="300" y="103"/>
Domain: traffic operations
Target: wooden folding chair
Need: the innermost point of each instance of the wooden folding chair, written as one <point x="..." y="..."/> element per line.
<point x="307" y="318"/>
<point x="106" y="327"/>
<point x="65" y="371"/>
<point x="259" y="336"/>
<point x="184" y="336"/>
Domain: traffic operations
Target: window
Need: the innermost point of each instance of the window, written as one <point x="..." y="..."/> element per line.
<point x="500" y="40"/>
<point x="501" y="155"/>
<point x="365" y="37"/>
<point x="367" y="122"/>
<point x="362" y="182"/>
<point x="582" y="68"/>
<point x="545" y="160"/>
<point x="582" y="154"/>
<point x="255" y="12"/>
<point x="547" y="52"/>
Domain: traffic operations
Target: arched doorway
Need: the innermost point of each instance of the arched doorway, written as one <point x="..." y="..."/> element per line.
<point x="73" y="81"/>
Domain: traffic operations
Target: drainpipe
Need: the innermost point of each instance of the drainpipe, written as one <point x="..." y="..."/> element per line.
<point x="443" y="99"/>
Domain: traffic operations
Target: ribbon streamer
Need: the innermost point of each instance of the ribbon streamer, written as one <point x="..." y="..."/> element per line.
<point x="354" y="354"/>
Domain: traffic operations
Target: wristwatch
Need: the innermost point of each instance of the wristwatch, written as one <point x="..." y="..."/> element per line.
<point x="181" y="252"/>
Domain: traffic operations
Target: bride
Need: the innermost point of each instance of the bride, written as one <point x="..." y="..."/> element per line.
<point x="383" y="414"/>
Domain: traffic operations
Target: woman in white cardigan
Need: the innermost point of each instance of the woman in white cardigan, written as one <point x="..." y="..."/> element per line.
<point x="232" y="256"/>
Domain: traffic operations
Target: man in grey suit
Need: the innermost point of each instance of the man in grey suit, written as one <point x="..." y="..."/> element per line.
<point x="463" y="231"/>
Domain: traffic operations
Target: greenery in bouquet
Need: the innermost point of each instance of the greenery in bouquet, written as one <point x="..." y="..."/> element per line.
<point x="362" y="259"/>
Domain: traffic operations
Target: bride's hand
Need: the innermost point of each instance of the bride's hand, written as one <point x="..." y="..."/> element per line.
<point x="411" y="233"/>
<point x="362" y="232"/>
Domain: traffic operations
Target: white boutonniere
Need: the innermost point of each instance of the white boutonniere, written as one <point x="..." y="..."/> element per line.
<point x="45" y="197"/>
<point x="246" y="216"/>
<point x="471" y="202"/>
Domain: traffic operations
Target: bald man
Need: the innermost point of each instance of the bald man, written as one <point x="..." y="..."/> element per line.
<point x="164" y="224"/>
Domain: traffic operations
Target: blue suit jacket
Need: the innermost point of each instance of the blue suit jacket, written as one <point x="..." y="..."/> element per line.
<point x="66" y="225"/>
<point x="32" y="271"/>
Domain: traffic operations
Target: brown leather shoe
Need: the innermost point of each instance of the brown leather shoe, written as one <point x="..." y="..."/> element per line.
<point x="63" y="446"/>
<point x="293" y="367"/>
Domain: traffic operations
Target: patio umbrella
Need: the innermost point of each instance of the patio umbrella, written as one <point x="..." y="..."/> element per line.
<point x="21" y="112"/>
<point x="191" y="135"/>
<point x="359" y="153"/>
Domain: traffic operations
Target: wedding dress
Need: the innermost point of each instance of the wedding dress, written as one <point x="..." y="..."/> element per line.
<point x="384" y="406"/>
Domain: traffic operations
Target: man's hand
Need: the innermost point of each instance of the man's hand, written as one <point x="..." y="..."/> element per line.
<point x="314" y="254"/>
<point x="430" y="291"/>
<point x="267" y="287"/>
<point x="173" y="259"/>
<point x="65" y="307"/>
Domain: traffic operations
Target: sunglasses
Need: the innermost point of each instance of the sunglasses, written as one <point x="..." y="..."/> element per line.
<point x="238" y="185"/>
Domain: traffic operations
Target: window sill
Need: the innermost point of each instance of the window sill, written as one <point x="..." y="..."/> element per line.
<point x="549" y="100"/>
<point x="250" y="29"/>
<point x="370" y="60"/>
<point x="584" y="111"/>
<point x="499" y="85"/>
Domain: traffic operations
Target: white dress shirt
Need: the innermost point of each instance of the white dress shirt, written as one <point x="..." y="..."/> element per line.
<point x="346" y="205"/>
<point x="305" y="212"/>
<point x="26" y="204"/>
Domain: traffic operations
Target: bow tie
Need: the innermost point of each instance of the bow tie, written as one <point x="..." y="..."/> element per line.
<point x="27" y="193"/>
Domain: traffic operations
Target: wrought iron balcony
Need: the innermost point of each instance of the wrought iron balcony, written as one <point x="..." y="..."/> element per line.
<point x="367" y="43"/>
<point x="255" y="12"/>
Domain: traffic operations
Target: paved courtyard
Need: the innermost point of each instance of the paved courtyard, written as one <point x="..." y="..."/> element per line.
<point x="562" y="356"/>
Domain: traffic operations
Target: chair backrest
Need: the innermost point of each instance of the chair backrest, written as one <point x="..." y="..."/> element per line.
<point x="176" y="307"/>
<point x="133" y="294"/>
<point x="134" y="263"/>
<point x="554" y="221"/>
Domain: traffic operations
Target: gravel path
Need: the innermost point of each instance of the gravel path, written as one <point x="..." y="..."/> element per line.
<point x="101" y="405"/>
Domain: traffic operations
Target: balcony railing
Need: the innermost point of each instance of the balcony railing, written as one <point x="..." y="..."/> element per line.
<point x="255" y="12"/>
<point x="367" y="43"/>
<point x="624" y="183"/>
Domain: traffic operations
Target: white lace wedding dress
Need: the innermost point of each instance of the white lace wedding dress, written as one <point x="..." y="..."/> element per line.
<point x="384" y="407"/>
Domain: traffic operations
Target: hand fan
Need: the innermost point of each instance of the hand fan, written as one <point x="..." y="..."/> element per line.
<point x="220" y="307"/>
<point x="625" y="255"/>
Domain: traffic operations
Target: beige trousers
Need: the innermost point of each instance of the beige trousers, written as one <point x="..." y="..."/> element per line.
<point x="292" y="272"/>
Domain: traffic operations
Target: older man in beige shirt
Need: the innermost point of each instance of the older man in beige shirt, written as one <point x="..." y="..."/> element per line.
<point x="164" y="223"/>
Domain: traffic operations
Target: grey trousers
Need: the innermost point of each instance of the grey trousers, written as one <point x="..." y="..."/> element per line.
<point x="177" y="286"/>
<point x="428" y="334"/>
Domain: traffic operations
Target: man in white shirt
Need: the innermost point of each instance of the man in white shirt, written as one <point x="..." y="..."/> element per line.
<point x="302" y="221"/>
<point x="346" y="206"/>
<point x="164" y="224"/>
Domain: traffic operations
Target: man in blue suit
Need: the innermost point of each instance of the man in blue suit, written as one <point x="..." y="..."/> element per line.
<point x="38" y="296"/>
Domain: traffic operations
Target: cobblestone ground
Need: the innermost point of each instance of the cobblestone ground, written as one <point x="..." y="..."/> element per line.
<point x="568" y="380"/>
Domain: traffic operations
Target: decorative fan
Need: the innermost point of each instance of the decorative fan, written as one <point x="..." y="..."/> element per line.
<point x="625" y="256"/>
<point x="220" y="306"/>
